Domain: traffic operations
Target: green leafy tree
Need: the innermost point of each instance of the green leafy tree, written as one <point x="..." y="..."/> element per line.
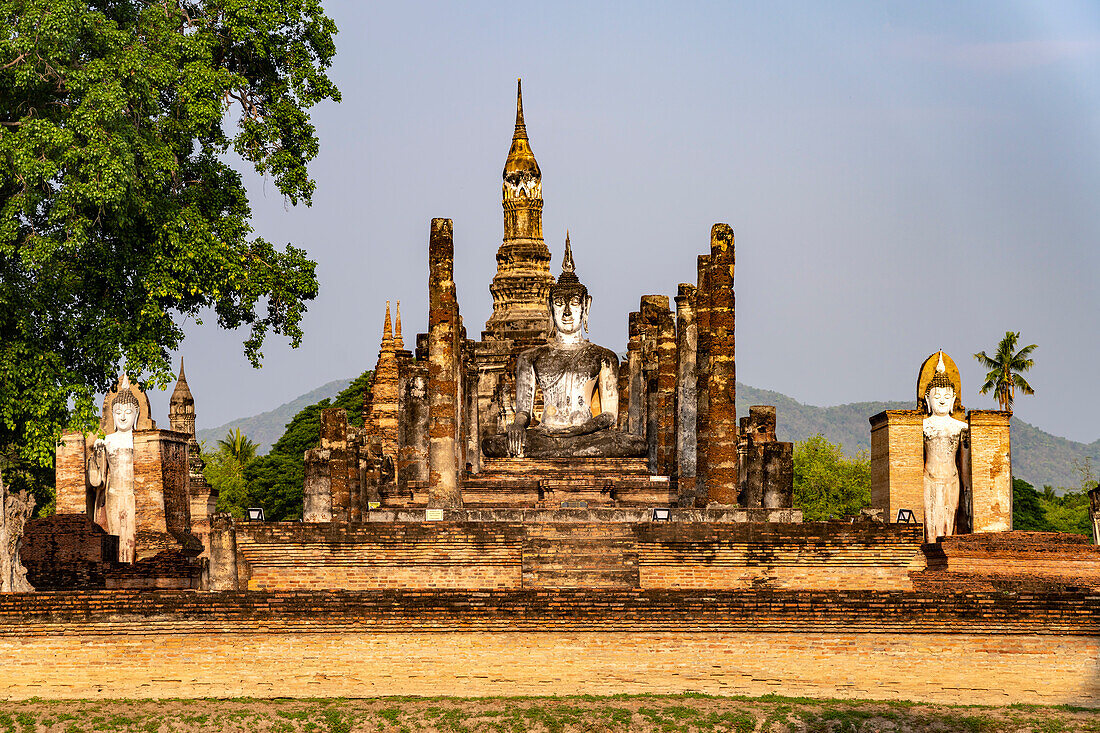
<point x="827" y="484"/>
<point x="120" y="217"/>
<point x="275" y="481"/>
<point x="1006" y="368"/>
<point x="238" y="445"/>
<point x="1027" y="508"/>
<point x="1049" y="511"/>
<point x="226" y="474"/>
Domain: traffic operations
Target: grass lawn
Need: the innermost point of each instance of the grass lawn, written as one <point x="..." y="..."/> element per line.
<point x="671" y="713"/>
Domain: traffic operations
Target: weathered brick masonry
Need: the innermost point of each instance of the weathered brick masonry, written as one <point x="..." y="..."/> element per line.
<point x="973" y="648"/>
<point x="276" y="556"/>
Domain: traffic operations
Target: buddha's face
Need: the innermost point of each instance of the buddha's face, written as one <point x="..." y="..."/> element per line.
<point x="568" y="311"/>
<point x="125" y="416"/>
<point x="940" y="400"/>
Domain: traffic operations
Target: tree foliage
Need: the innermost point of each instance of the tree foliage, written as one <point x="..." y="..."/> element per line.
<point x="1027" y="508"/>
<point x="119" y="216"/>
<point x="275" y="481"/>
<point x="225" y="473"/>
<point x="1049" y="511"/>
<point x="1006" y="368"/>
<point x="827" y="484"/>
<point x="238" y="445"/>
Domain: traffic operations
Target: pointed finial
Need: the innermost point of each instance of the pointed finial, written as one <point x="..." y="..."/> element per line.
<point x="399" y="343"/>
<point x="567" y="261"/>
<point x="521" y="128"/>
<point x="181" y="395"/>
<point x="940" y="366"/>
<point x="387" y="331"/>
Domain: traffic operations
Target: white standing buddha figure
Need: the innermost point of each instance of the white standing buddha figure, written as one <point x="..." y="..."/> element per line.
<point x="111" y="472"/>
<point x="946" y="457"/>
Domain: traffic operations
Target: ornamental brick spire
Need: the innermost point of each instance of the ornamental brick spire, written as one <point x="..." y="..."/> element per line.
<point x="181" y="407"/>
<point x="398" y="342"/>
<point x="380" y="405"/>
<point x="523" y="278"/>
<point x="387" y="331"/>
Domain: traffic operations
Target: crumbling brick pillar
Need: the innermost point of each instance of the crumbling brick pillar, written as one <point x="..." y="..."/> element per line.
<point x="897" y="463"/>
<point x="722" y="474"/>
<point x="687" y="337"/>
<point x="1094" y="514"/>
<point x="660" y="334"/>
<point x="73" y="495"/>
<point x="317" y="491"/>
<point x="443" y="390"/>
<point x="778" y="460"/>
<point x="223" y="553"/>
<point x="472" y="422"/>
<point x="636" y="397"/>
<point x="334" y="439"/>
<point x="990" y="470"/>
<point x="702" y="381"/>
<point x="412" y="429"/>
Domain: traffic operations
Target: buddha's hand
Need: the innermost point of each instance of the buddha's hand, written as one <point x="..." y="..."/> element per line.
<point x="517" y="433"/>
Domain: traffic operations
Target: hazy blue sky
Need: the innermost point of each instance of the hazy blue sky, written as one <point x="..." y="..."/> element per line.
<point x="901" y="177"/>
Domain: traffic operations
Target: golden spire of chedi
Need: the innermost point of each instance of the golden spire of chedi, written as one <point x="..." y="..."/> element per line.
<point x="520" y="157"/>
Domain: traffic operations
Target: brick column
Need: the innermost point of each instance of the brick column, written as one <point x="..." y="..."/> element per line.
<point x="722" y="476"/>
<point x="1094" y="514"/>
<point x="897" y="463"/>
<point x="412" y="429"/>
<point x="334" y="439"/>
<point x="443" y="448"/>
<point x="702" y="383"/>
<point x="778" y="490"/>
<point x="70" y="475"/>
<point x="991" y="470"/>
<point x="317" y="491"/>
<point x="661" y="333"/>
<point x="223" y="553"/>
<point x="636" y="412"/>
<point x="687" y="337"/>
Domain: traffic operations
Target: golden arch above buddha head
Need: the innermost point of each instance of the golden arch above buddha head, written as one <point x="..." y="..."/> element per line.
<point x="949" y="376"/>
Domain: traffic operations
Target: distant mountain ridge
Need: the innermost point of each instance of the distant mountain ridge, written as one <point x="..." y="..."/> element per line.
<point x="1038" y="457"/>
<point x="267" y="427"/>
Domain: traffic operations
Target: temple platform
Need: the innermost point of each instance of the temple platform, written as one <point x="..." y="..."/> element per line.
<point x="564" y="483"/>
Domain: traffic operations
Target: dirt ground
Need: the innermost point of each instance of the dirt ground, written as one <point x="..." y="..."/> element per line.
<point x="672" y="714"/>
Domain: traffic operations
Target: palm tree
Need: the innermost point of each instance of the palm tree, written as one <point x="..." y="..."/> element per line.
<point x="1005" y="370"/>
<point x="239" y="446"/>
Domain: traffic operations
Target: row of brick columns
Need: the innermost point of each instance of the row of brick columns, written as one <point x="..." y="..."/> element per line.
<point x="680" y="382"/>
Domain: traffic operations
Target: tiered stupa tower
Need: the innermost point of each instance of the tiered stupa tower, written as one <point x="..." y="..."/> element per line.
<point x="523" y="278"/>
<point x="382" y="405"/>
<point x="203" y="496"/>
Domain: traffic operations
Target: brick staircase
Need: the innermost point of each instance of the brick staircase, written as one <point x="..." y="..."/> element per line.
<point x="557" y="483"/>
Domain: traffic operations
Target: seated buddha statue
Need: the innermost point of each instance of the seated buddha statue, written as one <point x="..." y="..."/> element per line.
<point x="580" y="388"/>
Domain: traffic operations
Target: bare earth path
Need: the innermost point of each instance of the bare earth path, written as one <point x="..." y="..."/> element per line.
<point x="672" y="714"/>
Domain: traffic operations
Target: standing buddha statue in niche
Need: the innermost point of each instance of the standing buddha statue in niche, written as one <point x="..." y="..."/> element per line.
<point x="111" y="473"/>
<point x="946" y="458"/>
<point x="580" y="388"/>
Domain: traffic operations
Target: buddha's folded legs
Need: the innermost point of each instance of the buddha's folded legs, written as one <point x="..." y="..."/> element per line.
<point x="540" y="444"/>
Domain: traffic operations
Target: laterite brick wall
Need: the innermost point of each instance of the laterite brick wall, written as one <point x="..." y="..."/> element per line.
<point x="471" y="555"/>
<point x="962" y="648"/>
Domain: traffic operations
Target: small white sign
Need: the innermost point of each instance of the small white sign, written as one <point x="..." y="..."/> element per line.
<point x="659" y="479"/>
<point x="433" y="515"/>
